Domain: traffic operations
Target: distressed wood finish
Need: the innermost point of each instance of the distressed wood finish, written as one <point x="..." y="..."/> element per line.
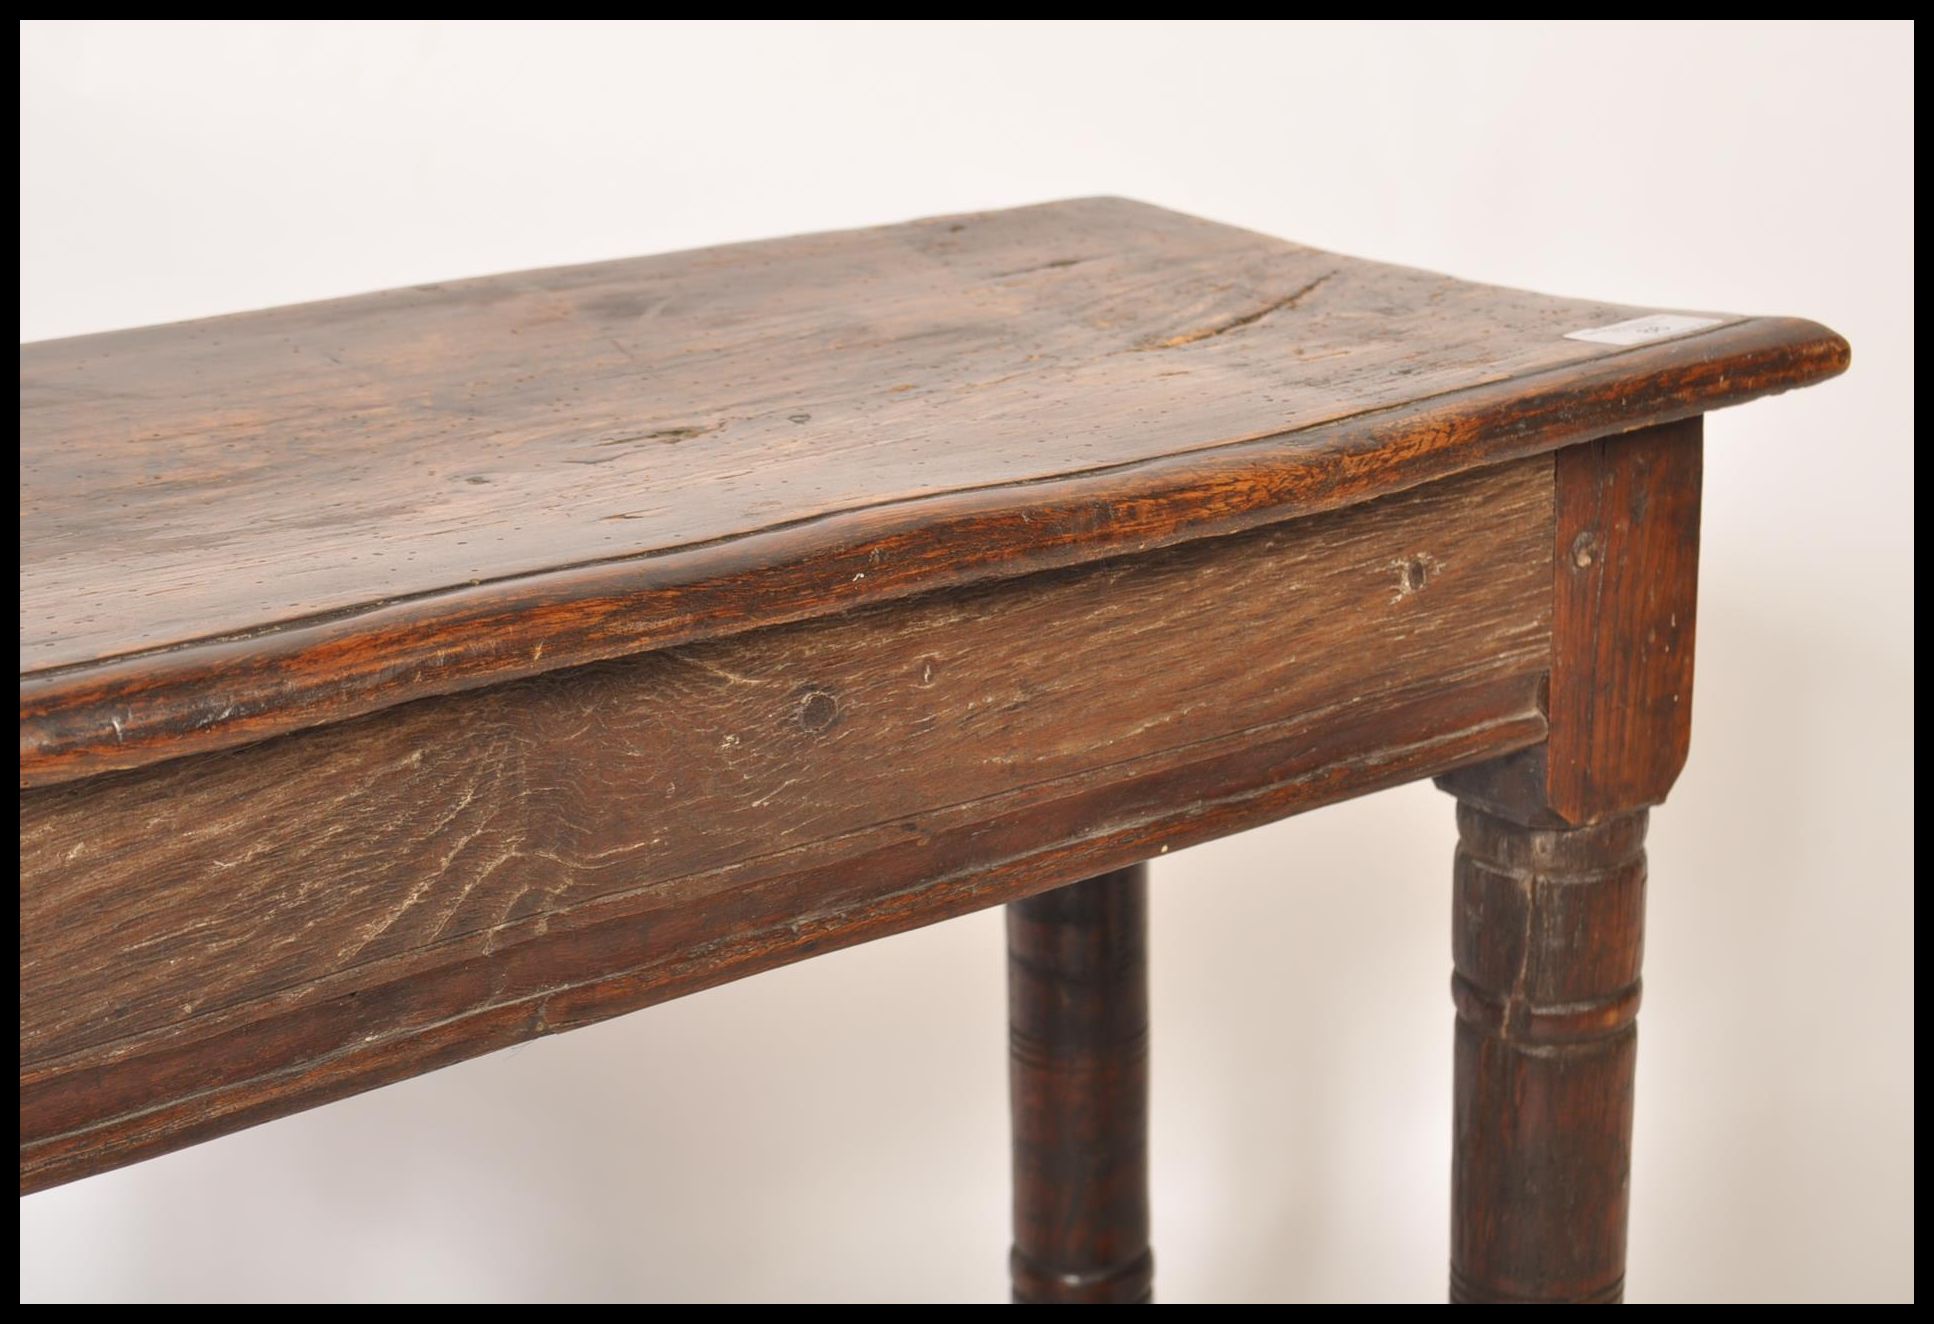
<point x="1625" y="593"/>
<point x="244" y="526"/>
<point x="409" y="675"/>
<point x="1550" y="881"/>
<point x="1077" y="981"/>
<point x="1546" y="943"/>
<point x="1627" y="586"/>
<point x="220" y="939"/>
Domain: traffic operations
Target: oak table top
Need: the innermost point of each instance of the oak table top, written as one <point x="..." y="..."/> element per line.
<point x="407" y="676"/>
<point x="247" y="525"/>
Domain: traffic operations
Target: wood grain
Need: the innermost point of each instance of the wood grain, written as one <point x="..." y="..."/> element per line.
<point x="1546" y="941"/>
<point x="1627" y="566"/>
<point x="240" y="527"/>
<point x="1077" y="997"/>
<point x="1551" y="879"/>
<point x="1625" y="594"/>
<point x="220" y="939"/>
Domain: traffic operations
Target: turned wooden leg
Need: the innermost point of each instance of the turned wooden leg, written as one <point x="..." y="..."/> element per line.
<point x="1078" y="1024"/>
<point x="1550" y="885"/>
<point x="1546" y="945"/>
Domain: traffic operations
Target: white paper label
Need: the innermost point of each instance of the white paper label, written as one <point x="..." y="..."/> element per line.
<point x="1638" y="330"/>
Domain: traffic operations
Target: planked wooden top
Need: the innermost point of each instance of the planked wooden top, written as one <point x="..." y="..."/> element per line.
<point x="238" y="527"/>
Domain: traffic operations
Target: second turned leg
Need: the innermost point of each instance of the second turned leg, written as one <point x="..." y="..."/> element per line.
<point x="1078" y="1026"/>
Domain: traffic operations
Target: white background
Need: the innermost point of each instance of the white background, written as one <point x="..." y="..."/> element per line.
<point x="837" y="1130"/>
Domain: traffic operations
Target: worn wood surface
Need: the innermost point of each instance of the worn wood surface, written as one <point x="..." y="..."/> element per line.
<point x="1546" y="941"/>
<point x="244" y="526"/>
<point x="1625" y="565"/>
<point x="1077" y="981"/>
<point x="215" y="940"/>
<point x="1550" y="884"/>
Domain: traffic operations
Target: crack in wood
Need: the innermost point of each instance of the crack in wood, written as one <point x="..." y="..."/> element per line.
<point x="1223" y="328"/>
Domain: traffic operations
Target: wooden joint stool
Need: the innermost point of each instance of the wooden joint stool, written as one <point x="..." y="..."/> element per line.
<point x="409" y="675"/>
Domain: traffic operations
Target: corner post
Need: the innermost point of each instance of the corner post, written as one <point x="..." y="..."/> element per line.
<point x="1549" y="894"/>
